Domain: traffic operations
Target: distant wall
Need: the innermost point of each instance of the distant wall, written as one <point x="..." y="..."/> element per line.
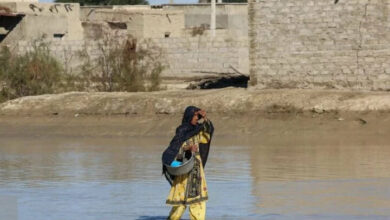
<point x="200" y="55"/>
<point x="232" y="17"/>
<point x="183" y="57"/>
<point x="310" y="43"/>
<point x="139" y="22"/>
<point x="187" y="50"/>
<point x="44" y="20"/>
<point x="171" y="18"/>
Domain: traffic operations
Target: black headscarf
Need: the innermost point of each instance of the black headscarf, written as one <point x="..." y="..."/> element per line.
<point x="184" y="132"/>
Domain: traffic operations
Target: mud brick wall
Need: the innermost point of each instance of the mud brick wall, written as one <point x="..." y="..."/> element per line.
<point x="67" y="52"/>
<point x="312" y="43"/>
<point x="196" y="56"/>
<point x="183" y="57"/>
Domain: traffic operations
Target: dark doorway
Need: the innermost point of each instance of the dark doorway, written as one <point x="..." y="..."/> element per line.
<point x="8" y="22"/>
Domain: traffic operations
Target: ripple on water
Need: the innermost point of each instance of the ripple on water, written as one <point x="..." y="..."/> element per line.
<point x="121" y="179"/>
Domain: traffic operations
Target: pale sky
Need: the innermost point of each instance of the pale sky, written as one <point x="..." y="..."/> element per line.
<point x="154" y="2"/>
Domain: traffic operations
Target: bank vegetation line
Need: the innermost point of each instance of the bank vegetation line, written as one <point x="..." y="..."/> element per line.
<point x="118" y="65"/>
<point x="230" y="100"/>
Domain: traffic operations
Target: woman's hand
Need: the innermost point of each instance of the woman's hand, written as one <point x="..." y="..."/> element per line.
<point x="202" y="113"/>
<point x="193" y="148"/>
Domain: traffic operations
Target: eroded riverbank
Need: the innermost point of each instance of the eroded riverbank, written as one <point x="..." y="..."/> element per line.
<point x="221" y="101"/>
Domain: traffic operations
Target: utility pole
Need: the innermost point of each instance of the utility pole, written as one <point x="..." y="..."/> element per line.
<point x="212" y="21"/>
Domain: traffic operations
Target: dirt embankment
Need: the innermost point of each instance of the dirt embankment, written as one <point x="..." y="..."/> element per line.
<point x="222" y="101"/>
<point x="307" y="116"/>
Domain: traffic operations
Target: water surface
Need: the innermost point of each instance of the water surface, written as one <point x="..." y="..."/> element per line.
<point x="91" y="178"/>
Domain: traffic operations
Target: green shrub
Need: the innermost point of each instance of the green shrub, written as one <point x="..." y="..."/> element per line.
<point x="119" y="66"/>
<point x="33" y="73"/>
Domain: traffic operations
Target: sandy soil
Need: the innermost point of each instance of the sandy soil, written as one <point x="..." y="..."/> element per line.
<point x="307" y="116"/>
<point x="220" y="101"/>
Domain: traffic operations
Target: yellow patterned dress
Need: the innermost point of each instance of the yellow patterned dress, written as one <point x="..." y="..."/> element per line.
<point x="190" y="188"/>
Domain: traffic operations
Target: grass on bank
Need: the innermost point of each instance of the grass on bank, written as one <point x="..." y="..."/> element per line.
<point x="119" y="66"/>
<point x="33" y="73"/>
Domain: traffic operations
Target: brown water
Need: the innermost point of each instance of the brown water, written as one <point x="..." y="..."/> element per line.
<point x="75" y="177"/>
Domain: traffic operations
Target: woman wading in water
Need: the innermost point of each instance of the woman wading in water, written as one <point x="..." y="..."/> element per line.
<point x="192" y="136"/>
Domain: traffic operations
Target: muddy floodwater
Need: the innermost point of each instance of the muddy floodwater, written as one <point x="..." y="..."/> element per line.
<point x="288" y="173"/>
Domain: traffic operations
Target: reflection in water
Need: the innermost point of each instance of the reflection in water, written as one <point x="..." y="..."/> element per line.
<point x="279" y="163"/>
<point x="110" y="178"/>
<point x="333" y="181"/>
<point x="120" y="178"/>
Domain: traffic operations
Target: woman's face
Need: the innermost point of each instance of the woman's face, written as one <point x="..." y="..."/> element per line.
<point x="195" y="119"/>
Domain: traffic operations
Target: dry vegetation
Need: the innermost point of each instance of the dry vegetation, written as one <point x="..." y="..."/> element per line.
<point x="119" y="66"/>
<point x="33" y="73"/>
